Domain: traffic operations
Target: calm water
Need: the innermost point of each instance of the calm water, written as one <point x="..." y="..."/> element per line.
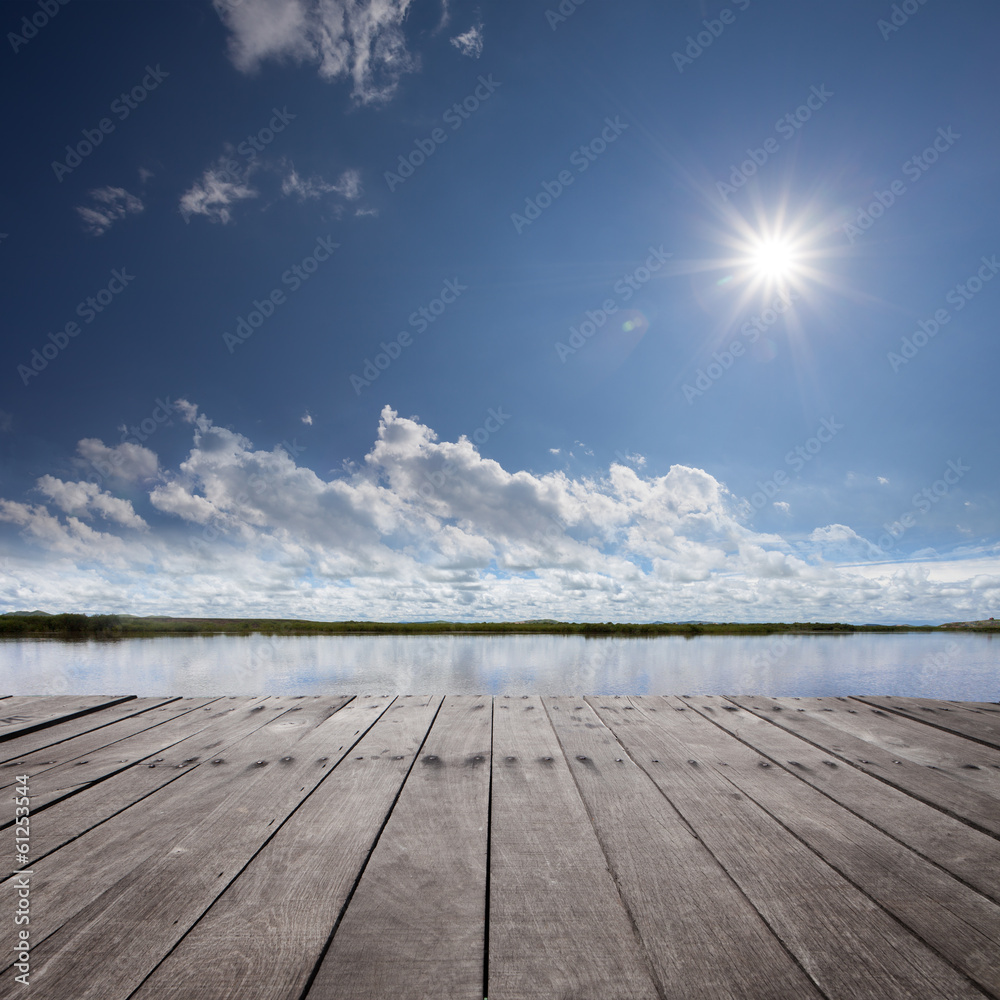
<point x="964" y="667"/>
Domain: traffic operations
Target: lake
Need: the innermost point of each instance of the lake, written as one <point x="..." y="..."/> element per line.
<point x="960" y="666"/>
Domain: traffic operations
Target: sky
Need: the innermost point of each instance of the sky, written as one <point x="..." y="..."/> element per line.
<point x="435" y="309"/>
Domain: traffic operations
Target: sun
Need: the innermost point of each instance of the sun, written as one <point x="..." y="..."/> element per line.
<point x="774" y="260"/>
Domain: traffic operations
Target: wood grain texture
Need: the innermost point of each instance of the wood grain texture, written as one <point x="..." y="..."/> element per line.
<point x="20" y="715"/>
<point x="96" y="953"/>
<point x="74" y="816"/>
<point x="704" y="940"/>
<point x="970" y="855"/>
<point x="415" y="926"/>
<point x="981" y="724"/>
<point x="59" y="732"/>
<point x="70" y="879"/>
<point x="75" y="763"/>
<point x="936" y="788"/>
<point x="960" y="924"/>
<point x="876" y="957"/>
<point x="558" y="927"/>
<point x="963" y="760"/>
<point x="267" y="932"/>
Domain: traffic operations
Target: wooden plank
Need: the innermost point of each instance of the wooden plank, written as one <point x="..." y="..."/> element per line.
<point x="961" y="759"/>
<point x="558" y="926"/>
<point x="267" y="932"/>
<point x="983" y="727"/>
<point x="703" y="938"/>
<point x="24" y="715"/>
<point x="97" y="952"/>
<point x="959" y="923"/>
<point x="972" y="856"/>
<point x="933" y="787"/>
<point x="415" y="926"/>
<point x="803" y="900"/>
<point x="59" y="732"/>
<point x="70" y="818"/>
<point x="60" y="770"/>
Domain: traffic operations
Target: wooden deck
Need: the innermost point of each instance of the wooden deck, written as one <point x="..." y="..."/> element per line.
<point x="567" y="848"/>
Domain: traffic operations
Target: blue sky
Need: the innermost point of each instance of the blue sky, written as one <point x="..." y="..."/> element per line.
<point x="418" y="310"/>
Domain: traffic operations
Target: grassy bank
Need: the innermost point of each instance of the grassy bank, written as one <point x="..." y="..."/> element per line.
<point x="109" y="626"/>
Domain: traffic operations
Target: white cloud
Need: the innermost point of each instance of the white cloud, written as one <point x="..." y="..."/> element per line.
<point x="85" y="499"/>
<point x="470" y="43"/>
<point x="361" y="40"/>
<point x="220" y="188"/>
<point x="554" y="451"/>
<point x="348" y="186"/>
<point x="783" y="506"/>
<point x="882" y="481"/>
<point x="307" y="418"/>
<point x="109" y="204"/>
<point x="425" y="528"/>
<point x="126" y="461"/>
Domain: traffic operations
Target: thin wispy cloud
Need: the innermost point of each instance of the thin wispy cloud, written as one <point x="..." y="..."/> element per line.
<point x="358" y="40"/>
<point x="470" y="43"/>
<point x="214" y="195"/>
<point x="107" y="206"/>
<point x="348" y="186"/>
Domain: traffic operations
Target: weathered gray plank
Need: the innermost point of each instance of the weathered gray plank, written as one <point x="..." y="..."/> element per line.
<point x="21" y="715"/>
<point x="230" y="719"/>
<point x="957" y="922"/>
<point x="57" y="771"/>
<point x="875" y="955"/>
<point x="961" y="759"/>
<point x="558" y="927"/>
<point x="59" y="732"/>
<point x="983" y="726"/>
<point x="933" y="787"/>
<point x="972" y="856"/>
<point x="266" y="933"/>
<point x="79" y="872"/>
<point x="704" y="940"/>
<point x="97" y="952"/>
<point x="415" y="926"/>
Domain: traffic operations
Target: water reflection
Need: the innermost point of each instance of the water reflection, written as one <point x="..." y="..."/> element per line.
<point x="958" y="666"/>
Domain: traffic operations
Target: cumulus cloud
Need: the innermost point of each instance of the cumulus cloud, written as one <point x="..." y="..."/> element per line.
<point x="426" y="528"/>
<point x="359" y="40"/>
<point x="108" y="205"/>
<point x="470" y="43"/>
<point x="85" y="499"/>
<point x="213" y="196"/>
<point x="126" y="461"/>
